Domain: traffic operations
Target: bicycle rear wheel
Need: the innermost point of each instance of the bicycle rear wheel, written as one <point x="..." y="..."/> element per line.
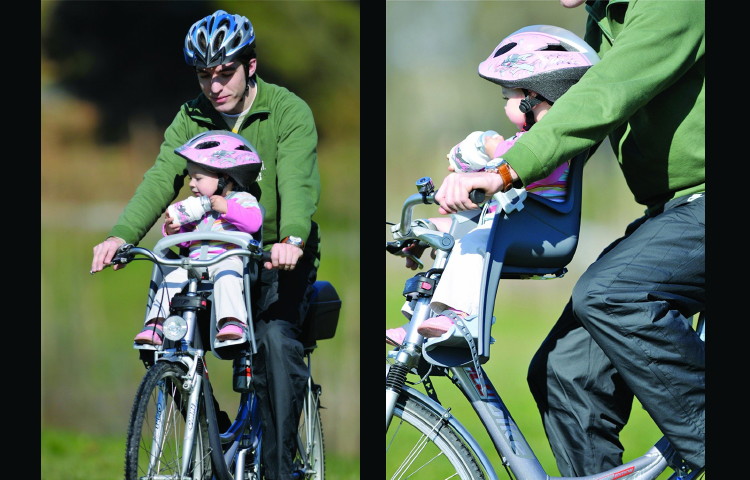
<point x="310" y="457"/>
<point x="421" y="444"/>
<point x="157" y="428"/>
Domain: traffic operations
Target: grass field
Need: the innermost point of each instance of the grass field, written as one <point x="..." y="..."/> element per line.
<point x="78" y="456"/>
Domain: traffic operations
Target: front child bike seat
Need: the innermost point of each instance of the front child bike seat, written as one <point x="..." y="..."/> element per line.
<point x="538" y="241"/>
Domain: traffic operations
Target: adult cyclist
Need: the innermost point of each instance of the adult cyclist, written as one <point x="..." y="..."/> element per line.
<point x="280" y="125"/>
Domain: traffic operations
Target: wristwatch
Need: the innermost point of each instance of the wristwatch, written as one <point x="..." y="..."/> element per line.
<point x="292" y="240"/>
<point x="502" y="169"/>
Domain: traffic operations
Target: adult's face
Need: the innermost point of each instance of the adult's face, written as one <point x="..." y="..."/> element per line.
<point x="571" y="3"/>
<point x="224" y="86"/>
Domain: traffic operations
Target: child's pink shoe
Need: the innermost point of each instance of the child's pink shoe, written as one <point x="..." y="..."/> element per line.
<point x="395" y="336"/>
<point x="438" y="326"/>
<point x="231" y="330"/>
<point x="152" y="334"/>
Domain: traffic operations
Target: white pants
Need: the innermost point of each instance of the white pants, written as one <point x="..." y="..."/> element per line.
<point x="226" y="275"/>
<point x="461" y="281"/>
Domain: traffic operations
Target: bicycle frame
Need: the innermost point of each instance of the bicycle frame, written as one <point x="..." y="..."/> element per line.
<point x="472" y="380"/>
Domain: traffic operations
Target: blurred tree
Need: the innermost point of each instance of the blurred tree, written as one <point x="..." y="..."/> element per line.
<point x="126" y="56"/>
<point x="312" y="48"/>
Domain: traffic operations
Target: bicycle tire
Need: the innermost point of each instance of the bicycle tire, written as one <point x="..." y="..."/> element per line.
<point x="420" y="444"/>
<point x="162" y="391"/>
<point x="310" y="456"/>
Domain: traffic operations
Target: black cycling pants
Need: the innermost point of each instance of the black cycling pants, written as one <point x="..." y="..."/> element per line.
<point x="627" y="331"/>
<point x="279" y="370"/>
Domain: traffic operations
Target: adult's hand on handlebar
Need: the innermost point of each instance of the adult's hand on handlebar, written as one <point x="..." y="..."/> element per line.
<point x="453" y="194"/>
<point x="104" y="252"/>
<point x="284" y="256"/>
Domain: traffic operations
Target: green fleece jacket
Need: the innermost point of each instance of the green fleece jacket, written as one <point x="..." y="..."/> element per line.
<point x="646" y="94"/>
<point x="280" y="126"/>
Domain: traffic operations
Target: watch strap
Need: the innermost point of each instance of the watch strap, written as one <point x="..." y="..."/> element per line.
<point x="504" y="171"/>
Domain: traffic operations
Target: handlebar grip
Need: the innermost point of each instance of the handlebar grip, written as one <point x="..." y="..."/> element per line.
<point x="477" y="196"/>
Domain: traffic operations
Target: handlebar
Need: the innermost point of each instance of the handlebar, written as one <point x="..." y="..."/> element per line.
<point x="248" y="247"/>
<point x="406" y="231"/>
<point x="476" y="196"/>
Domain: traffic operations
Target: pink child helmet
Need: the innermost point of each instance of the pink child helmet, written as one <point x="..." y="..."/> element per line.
<point x="543" y="58"/>
<point x="226" y="152"/>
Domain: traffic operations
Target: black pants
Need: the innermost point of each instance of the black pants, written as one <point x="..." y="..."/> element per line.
<point x="627" y="331"/>
<point x="280" y="373"/>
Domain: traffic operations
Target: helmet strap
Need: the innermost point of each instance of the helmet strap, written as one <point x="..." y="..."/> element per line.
<point x="527" y="105"/>
<point x="221" y="185"/>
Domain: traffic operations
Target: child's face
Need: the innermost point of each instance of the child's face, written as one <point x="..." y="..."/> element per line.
<point x="202" y="182"/>
<point x="513" y="97"/>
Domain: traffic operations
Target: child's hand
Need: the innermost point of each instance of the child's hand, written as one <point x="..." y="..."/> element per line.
<point x="169" y="227"/>
<point x="218" y="203"/>
<point x="491" y="141"/>
<point x="415" y="249"/>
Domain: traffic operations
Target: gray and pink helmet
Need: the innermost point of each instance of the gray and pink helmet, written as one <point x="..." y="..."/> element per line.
<point x="226" y="152"/>
<point x="543" y="58"/>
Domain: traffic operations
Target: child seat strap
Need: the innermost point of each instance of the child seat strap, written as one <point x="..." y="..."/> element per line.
<point x="210" y="218"/>
<point x="464" y="330"/>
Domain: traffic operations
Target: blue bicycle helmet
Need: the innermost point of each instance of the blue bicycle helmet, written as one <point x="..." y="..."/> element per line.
<point x="218" y="39"/>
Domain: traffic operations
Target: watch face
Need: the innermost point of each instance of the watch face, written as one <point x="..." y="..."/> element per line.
<point x="294" y="241"/>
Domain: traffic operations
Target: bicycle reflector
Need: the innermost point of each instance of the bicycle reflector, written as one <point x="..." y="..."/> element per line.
<point x="175" y="328"/>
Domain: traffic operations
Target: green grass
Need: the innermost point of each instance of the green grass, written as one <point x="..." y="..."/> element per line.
<point x="70" y="455"/>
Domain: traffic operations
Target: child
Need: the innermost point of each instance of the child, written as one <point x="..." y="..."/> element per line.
<point x="222" y="167"/>
<point x="534" y="66"/>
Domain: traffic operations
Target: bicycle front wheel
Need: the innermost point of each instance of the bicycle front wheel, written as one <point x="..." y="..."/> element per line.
<point x="310" y="457"/>
<point x="156" y="446"/>
<point x="421" y="444"/>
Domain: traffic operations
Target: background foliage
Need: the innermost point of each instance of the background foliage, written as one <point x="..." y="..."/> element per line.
<point x="112" y="78"/>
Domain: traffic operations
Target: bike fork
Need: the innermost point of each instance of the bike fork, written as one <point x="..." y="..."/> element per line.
<point x="191" y="425"/>
<point x="406" y="357"/>
<point x="394" y="382"/>
<point x="159" y="425"/>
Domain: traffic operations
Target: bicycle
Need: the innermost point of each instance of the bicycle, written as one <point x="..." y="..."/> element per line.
<point x="423" y="438"/>
<point x="175" y="429"/>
